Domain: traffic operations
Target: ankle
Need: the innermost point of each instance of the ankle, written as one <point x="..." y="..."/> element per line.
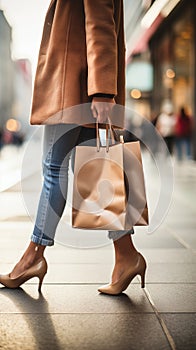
<point x="39" y="251"/>
<point x="124" y="248"/>
<point x="130" y="256"/>
<point x="33" y="254"/>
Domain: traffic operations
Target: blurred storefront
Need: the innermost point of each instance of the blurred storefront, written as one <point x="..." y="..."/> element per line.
<point x="6" y="71"/>
<point x="165" y="40"/>
<point x="15" y="90"/>
<point x="172" y="53"/>
<point x="22" y="93"/>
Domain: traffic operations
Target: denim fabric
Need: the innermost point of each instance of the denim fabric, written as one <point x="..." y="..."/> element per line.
<point x="59" y="143"/>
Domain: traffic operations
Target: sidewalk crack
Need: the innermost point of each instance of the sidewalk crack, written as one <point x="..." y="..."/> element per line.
<point x="161" y="321"/>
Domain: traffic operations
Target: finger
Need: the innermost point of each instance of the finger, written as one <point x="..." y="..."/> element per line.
<point x="102" y="115"/>
<point x="94" y="112"/>
<point x="107" y="113"/>
<point x="99" y="118"/>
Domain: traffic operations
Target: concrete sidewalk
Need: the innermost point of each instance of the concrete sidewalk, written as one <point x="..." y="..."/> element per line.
<point x="71" y="314"/>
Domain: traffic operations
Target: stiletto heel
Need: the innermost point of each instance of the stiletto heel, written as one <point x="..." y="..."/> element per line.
<point x="119" y="286"/>
<point x="143" y="278"/>
<point x="39" y="270"/>
<point x="40" y="282"/>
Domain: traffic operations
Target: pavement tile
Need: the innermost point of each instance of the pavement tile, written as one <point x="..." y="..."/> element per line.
<point x="188" y="235"/>
<point x="14" y="202"/>
<point x="176" y="210"/>
<point x="171" y="273"/>
<point x="65" y="234"/>
<point x="82" y="331"/>
<point x="73" y="273"/>
<point x="9" y="253"/>
<point x="80" y="273"/>
<point x="182" y="328"/>
<point x="179" y="225"/>
<point x="72" y="299"/>
<point x="175" y="298"/>
<point x="18" y="230"/>
<point x="81" y="239"/>
<point x="159" y="239"/>
<point x="14" y="237"/>
<point x="100" y="273"/>
<point x="178" y="213"/>
<point x="104" y="255"/>
<point x="169" y="255"/>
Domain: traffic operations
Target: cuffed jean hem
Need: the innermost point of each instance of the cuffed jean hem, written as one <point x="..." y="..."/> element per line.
<point x="115" y="235"/>
<point x="41" y="241"/>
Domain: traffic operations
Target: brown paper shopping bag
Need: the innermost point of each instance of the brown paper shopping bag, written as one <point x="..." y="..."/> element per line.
<point x="99" y="198"/>
<point x="136" y="201"/>
<point x="109" y="190"/>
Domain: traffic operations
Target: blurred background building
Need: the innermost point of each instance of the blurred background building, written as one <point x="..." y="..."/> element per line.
<point x="15" y="89"/>
<point x="6" y="71"/>
<point x="161" y="55"/>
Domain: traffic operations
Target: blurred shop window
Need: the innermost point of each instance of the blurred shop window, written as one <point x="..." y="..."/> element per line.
<point x="183" y="61"/>
<point x="139" y="84"/>
<point x="140" y="76"/>
<point x="172" y="53"/>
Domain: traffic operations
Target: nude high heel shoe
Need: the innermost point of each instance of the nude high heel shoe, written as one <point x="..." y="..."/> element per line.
<point x="126" y="278"/>
<point x="39" y="270"/>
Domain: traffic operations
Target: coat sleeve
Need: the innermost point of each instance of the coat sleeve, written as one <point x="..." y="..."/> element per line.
<point x="101" y="42"/>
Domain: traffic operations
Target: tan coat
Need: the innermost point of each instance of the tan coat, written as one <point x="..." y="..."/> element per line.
<point x="82" y="53"/>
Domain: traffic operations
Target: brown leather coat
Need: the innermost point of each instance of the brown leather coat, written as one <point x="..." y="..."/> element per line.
<point x="82" y="53"/>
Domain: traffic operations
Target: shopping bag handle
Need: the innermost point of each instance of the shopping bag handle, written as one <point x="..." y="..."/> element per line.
<point x="108" y="127"/>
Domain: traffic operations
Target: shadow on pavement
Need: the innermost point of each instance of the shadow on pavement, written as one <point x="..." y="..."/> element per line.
<point x="43" y="330"/>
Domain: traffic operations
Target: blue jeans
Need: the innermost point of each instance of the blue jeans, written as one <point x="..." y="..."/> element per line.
<point x="59" y="143"/>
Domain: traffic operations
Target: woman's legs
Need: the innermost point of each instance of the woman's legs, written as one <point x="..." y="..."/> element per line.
<point x="125" y="253"/>
<point x="59" y="140"/>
